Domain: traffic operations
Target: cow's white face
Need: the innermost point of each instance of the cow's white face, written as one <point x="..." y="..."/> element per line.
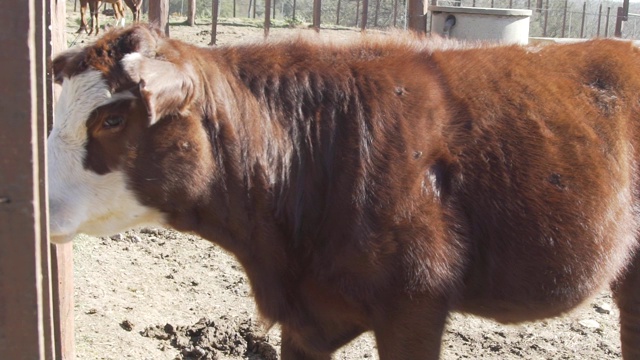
<point x="80" y="200"/>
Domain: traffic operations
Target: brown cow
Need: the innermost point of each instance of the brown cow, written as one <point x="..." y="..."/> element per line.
<point x="94" y="12"/>
<point x="375" y="185"/>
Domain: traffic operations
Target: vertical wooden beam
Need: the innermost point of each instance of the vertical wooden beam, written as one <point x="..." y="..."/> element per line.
<point x="584" y="15"/>
<point x="395" y="13"/>
<point x="357" y="12"/>
<point x="625" y="10"/>
<point x="599" y="20"/>
<point x="564" y="17"/>
<point x="267" y="18"/>
<point x="317" y="8"/>
<point x="159" y="14"/>
<point x="619" y="19"/>
<point x="375" y="14"/>
<point x="415" y="14"/>
<point x="293" y="16"/>
<point x="546" y="20"/>
<point x="62" y="255"/>
<point x="23" y="306"/>
<point x="606" y="22"/>
<point x="191" y="12"/>
<point x="365" y="15"/>
<point x="215" y="4"/>
<point x="43" y="52"/>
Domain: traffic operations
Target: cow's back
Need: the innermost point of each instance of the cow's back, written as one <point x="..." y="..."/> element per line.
<point x="544" y="174"/>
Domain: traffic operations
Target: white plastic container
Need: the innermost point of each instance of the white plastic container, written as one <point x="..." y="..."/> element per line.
<point x="508" y="26"/>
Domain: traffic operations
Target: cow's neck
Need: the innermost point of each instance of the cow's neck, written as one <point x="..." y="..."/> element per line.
<point x="251" y="207"/>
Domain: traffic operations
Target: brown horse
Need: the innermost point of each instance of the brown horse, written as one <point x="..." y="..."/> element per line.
<point x="94" y="9"/>
<point x="136" y="8"/>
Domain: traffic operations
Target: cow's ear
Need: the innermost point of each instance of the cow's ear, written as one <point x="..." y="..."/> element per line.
<point x="142" y="38"/>
<point x="64" y="61"/>
<point x="166" y="88"/>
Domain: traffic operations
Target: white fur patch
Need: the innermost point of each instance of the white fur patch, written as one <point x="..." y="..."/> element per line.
<point x="81" y="201"/>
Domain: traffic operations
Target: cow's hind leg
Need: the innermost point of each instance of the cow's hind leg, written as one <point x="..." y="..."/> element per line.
<point x="626" y="292"/>
<point x="411" y="330"/>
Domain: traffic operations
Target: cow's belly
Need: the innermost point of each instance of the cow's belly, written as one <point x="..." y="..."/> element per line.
<point x="516" y="284"/>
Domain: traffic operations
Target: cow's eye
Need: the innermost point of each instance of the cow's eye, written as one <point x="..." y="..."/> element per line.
<point x="113" y="121"/>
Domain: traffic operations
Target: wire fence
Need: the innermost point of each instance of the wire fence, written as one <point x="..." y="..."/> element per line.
<point x="566" y="18"/>
<point x="550" y="18"/>
<point x="347" y="13"/>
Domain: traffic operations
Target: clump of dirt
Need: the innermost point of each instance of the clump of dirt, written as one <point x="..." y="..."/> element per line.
<point x="206" y="339"/>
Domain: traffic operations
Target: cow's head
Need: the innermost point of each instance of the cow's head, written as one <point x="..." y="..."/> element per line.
<point x="114" y="93"/>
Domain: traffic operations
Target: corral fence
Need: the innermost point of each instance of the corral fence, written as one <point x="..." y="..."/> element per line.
<point x="550" y="18"/>
<point x="569" y="18"/>
<point x="347" y="13"/>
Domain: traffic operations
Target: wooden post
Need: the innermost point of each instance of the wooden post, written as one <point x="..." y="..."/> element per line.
<point x="584" y="15"/>
<point x="159" y="14"/>
<point x="62" y="255"/>
<point x="42" y="52"/>
<point x="546" y="19"/>
<point x="415" y="14"/>
<point x="293" y="16"/>
<point x="267" y="18"/>
<point x="564" y="17"/>
<point x="191" y="12"/>
<point x="317" y="8"/>
<point x="338" y="13"/>
<point x="599" y="20"/>
<point x="625" y="10"/>
<point x="25" y="305"/>
<point x="395" y="13"/>
<point x="357" y="12"/>
<point x="215" y="4"/>
<point x="619" y="19"/>
<point x="606" y="22"/>
<point x="365" y="15"/>
<point x="375" y="14"/>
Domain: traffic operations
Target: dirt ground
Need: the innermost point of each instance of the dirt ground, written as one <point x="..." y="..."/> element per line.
<point x="158" y="294"/>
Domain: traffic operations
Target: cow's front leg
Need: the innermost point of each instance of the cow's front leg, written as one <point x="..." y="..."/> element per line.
<point x="291" y="348"/>
<point x="626" y="294"/>
<point x="411" y="329"/>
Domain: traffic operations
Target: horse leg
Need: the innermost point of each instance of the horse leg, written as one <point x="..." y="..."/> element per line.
<point x="83" y="23"/>
<point x="118" y="13"/>
<point x="411" y="329"/>
<point x="626" y="293"/>
<point x="93" y="11"/>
